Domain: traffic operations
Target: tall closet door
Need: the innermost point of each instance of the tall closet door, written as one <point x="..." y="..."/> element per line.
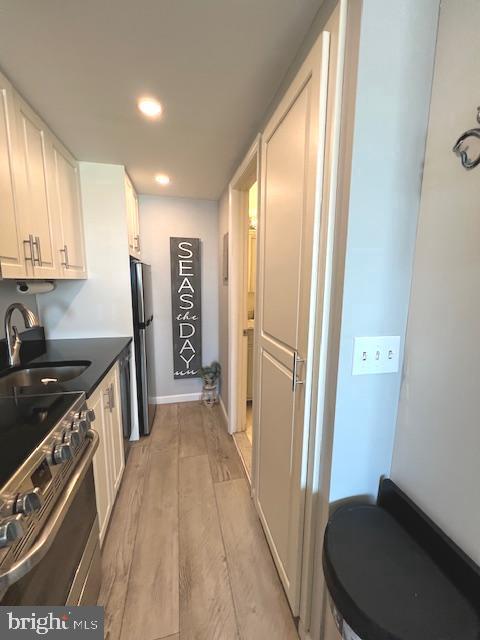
<point x="36" y="190"/>
<point x="12" y="256"/>
<point x="292" y="157"/>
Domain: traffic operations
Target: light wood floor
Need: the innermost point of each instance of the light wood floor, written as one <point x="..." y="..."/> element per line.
<point x="185" y="557"/>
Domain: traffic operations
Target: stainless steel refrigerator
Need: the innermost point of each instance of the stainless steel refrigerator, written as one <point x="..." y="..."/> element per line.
<point x="143" y="328"/>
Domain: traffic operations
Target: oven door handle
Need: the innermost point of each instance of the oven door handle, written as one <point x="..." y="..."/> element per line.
<point x="49" y="531"/>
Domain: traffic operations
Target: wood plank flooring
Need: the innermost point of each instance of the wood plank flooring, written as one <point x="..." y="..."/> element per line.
<point x="185" y="557"/>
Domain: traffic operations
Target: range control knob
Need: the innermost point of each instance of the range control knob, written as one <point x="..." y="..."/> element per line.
<point x="80" y="426"/>
<point x="86" y="414"/>
<point x="62" y="453"/>
<point x="73" y="439"/>
<point x="10" y="531"/>
<point x="29" y="502"/>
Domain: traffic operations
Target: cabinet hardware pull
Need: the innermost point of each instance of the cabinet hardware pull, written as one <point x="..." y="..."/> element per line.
<point x="38" y="259"/>
<point x="112" y="397"/>
<point x="106" y="394"/>
<point x="137" y="243"/>
<point x="65" y="263"/>
<point x="295" y="380"/>
<point x="30" y="243"/>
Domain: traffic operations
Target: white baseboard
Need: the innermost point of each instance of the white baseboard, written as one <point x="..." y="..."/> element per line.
<point x="224" y="411"/>
<point x="182" y="397"/>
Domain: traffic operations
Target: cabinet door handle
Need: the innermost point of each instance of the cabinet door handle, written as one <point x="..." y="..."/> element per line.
<point x="106" y="393"/>
<point x="65" y="262"/>
<point x="112" y="397"/>
<point x="29" y="242"/>
<point x="38" y="259"/>
<point x="137" y="243"/>
<point x="295" y="380"/>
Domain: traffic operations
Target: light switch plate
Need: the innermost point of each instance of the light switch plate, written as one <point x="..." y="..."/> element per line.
<point x="378" y="354"/>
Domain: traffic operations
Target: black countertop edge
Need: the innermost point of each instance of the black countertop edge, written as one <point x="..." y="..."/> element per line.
<point x="101" y="353"/>
<point x="460" y="569"/>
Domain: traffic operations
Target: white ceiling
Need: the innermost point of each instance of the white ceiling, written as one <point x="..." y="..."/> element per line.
<point x="214" y="64"/>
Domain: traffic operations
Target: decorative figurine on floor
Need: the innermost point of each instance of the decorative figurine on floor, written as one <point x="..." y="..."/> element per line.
<point x="211" y="376"/>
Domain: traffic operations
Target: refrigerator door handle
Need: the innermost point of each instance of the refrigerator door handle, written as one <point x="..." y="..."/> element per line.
<point x="143" y="373"/>
<point x="141" y="300"/>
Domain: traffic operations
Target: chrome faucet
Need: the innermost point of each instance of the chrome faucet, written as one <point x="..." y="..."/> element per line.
<point x="11" y="332"/>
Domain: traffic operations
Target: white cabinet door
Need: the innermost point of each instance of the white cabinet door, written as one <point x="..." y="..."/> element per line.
<point x="136" y="225"/>
<point x="101" y="461"/>
<point x="132" y="219"/>
<point x="35" y="190"/>
<point x="12" y="256"/>
<point x="70" y="243"/>
<point x="116" y="428"/>
<point x="109" y="460"/>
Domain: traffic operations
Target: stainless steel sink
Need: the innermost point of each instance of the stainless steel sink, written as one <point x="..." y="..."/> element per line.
<point x="44" y="375"/>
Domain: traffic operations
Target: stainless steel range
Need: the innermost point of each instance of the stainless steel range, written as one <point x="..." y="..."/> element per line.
<point x="49" y="550"/>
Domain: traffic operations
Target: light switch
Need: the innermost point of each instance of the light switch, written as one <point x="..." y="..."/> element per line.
<point x="378" y="354"/>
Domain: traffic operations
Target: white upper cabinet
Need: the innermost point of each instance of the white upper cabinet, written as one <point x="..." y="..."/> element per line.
<point x="70" y="243"/>
<point x="36" y="192"/>
<point x="12" y="256"/>
<point x="132" y="219"/>
<point x="40" y="207"/>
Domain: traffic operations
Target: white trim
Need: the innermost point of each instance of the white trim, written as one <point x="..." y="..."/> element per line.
<point x="224" y="411"/>
<point x="181" y="397"/>
<point x="235" y="284"/>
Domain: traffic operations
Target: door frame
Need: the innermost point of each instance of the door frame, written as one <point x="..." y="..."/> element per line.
<point x="328" y="317"/>
<point x="246" y="174"/>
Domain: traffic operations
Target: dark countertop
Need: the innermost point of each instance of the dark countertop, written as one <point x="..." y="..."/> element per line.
<point x="384" y="576"/>
<point x="102" y="353"/>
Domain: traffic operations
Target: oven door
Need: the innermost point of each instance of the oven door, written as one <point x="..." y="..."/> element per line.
<point x="68" y="572"/>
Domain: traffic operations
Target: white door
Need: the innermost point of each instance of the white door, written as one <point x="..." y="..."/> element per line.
<point x="70" y="241"/>
<point x="37" y="190"/>
<point x="12" y="256"/>
<point x="291" y="160"/>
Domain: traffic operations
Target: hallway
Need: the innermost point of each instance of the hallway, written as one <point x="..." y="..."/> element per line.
<point x="185" y="556"/>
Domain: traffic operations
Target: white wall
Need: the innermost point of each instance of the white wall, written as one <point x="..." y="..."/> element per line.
<point x="100" y="306"/>
<point x="438" y="434"/>
<point x="160" y="219"/>
<point x="397" y="45"/>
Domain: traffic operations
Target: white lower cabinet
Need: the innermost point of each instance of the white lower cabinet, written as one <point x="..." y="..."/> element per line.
<point x="109" y="460"/>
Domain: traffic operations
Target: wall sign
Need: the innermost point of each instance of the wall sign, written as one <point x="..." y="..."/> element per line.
<point x="186" y="307"/>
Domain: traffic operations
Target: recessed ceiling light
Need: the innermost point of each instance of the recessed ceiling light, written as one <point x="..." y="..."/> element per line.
<point x="162" y="179"/>
<point x="150" y="107"/>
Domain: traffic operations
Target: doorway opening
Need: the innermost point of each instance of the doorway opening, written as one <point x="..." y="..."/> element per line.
<point x="244" y="436"/>
<point x="243" y="225"/>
